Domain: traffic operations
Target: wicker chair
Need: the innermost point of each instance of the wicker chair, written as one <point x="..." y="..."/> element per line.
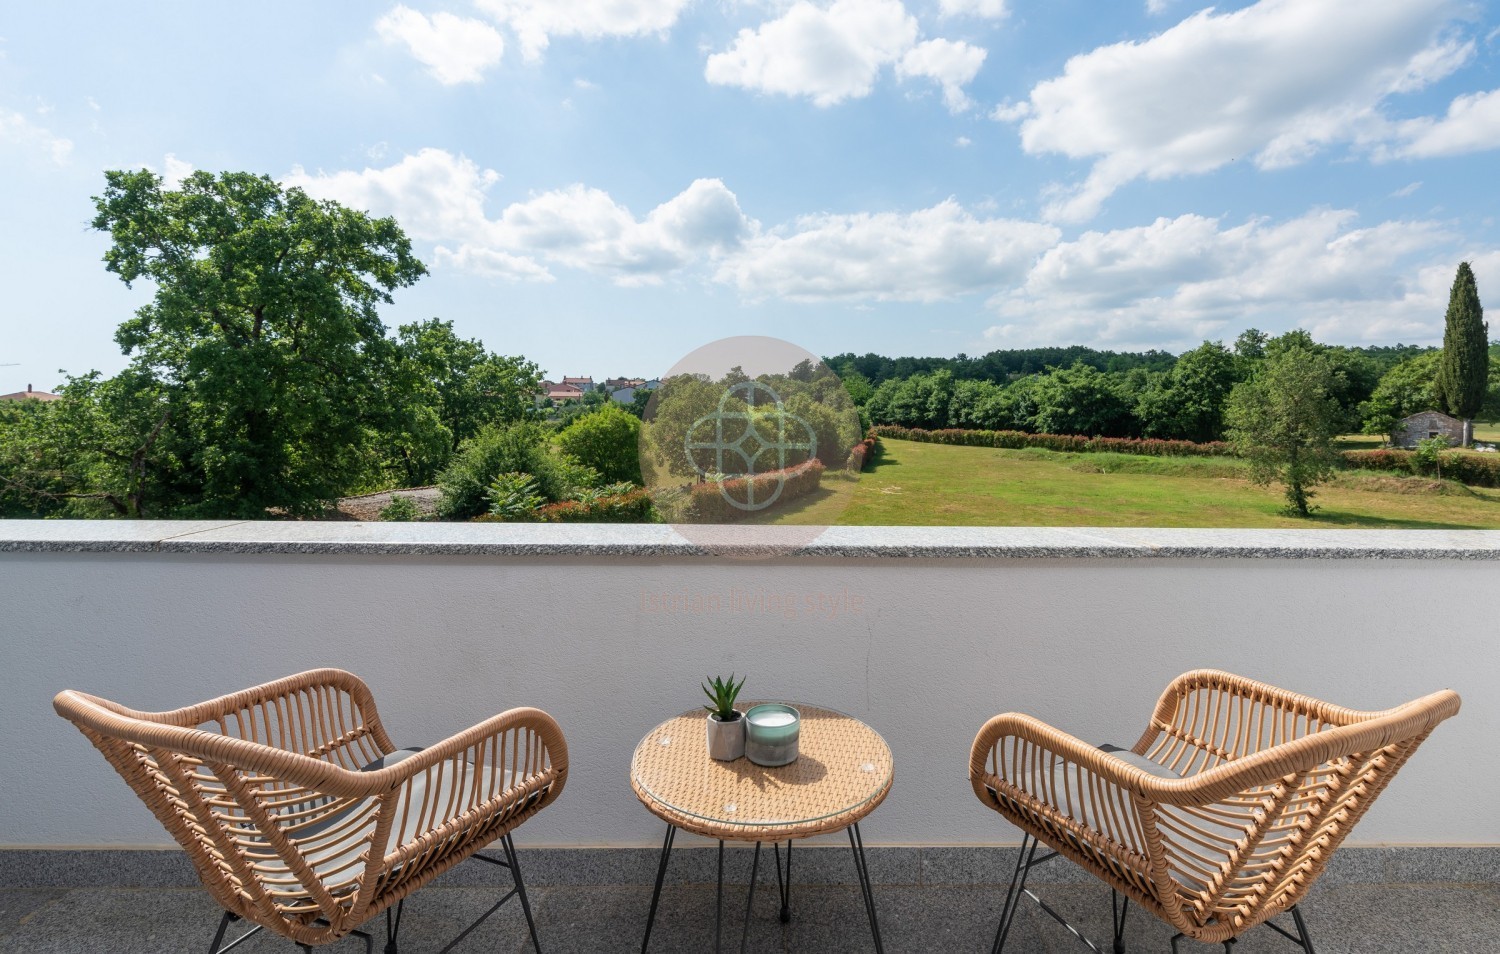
<point x="1219" y="818"/>
<point x="303" y="817"/>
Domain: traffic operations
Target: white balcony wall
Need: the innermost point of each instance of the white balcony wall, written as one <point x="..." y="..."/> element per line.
<point x="923" y="648"/>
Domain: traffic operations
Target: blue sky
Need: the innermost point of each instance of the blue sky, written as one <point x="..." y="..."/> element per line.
<point x="605" y="185"/>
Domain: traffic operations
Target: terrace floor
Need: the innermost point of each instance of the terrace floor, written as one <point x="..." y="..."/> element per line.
<point x="827" y="919"/>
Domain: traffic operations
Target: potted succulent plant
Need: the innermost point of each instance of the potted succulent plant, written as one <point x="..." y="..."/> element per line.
<point x="725" y="724"/>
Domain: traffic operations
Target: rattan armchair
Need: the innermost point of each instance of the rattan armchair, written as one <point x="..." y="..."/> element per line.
<point x="1222" y="814"/>
<point x="300" y="814"/>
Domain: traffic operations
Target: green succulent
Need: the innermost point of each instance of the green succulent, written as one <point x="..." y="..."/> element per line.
<point x="723" y="692"/>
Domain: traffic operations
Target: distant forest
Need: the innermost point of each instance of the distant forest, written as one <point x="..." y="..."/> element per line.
<point x="1000" y="367"/>
<point x="1080" y="390"/>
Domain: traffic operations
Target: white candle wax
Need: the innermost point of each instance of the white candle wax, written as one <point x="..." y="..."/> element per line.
<point x="769" y="719"/>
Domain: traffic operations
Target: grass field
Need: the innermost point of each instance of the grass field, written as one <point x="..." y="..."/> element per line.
<point x="917" y="484"/>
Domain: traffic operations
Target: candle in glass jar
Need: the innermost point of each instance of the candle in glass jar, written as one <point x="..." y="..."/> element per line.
<point x="772" y="731"/>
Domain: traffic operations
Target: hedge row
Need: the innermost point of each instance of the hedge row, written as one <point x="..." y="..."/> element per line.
<point x="709" y="504"/>
<point x="861" y="455"/>
<point x="632" y="507"/>
<point x="1471" y="469"/>
<point x="1016" y="440"/>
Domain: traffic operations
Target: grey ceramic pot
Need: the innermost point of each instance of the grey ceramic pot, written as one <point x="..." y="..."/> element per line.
<point x="726" y="740"/>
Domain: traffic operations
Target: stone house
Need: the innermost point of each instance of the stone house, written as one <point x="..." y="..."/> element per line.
<point x="1425" y="425"/>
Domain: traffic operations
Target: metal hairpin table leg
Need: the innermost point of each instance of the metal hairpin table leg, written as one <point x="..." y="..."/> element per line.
<point x="785" y="887"/>
<point x="750" y="898"/>
<point x="719" y="904"/>
<point x="661" y="873"/>
<point x="857" y="843"/>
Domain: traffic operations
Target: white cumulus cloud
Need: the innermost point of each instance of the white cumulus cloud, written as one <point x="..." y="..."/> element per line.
<point x="434" y="194"/>
<point x="836" y="52"/>
<point x="828" y="55"/>
<point x="454" y="49"/>
<point x="1472" y="124"/>
<point x="17" y="130"/>
<point x="952" y="63"/>
<point x="535" y="22"/>
<point x="586" y="229"/>
<point x="1273" y="83"/>
<point x="441" y="198"/>
<point x="174" y="170"/>
<point x="929" y="255"/>
<point x="1178" y="281"/>
<point x="993" y="9"/>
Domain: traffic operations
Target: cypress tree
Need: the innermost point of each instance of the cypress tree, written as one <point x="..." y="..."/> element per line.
<point x="1463" y="371"/>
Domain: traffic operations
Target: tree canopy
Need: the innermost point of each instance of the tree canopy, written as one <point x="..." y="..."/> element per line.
<point x="1463" y="372"/>
<point x="1284" y="418"/>
<point x="261" y="379"/>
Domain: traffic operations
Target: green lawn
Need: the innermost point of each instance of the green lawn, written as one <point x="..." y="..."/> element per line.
<point x="917" y="484"/>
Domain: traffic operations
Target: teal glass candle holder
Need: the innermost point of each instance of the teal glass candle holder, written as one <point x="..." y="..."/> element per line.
<point x="771" y="734"/>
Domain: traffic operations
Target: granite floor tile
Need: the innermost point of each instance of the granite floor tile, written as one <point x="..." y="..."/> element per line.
<point x="600" y="920"/>
<point x="16" y="906"/>
<point x="826" y="919"/>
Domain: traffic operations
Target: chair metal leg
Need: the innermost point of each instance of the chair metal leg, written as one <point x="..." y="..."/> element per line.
<point x="1302" y="939"/>
<point x="393" y="926"/>
<point x="1118" y="912"/>
<point x="750" y="898"/>
<point x="224" y="923"/>
<point x="857" y="843"/>
<point x="219" y="934"/>
<point x="784" y="888"/>
<point x="661" y="873"/>
<point x="1013" y="893"/>
<point x="515" y="869"/>
<point x="1307" y="944"/>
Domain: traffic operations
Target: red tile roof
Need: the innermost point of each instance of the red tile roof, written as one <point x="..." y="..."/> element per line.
<point x="30" y="395"/>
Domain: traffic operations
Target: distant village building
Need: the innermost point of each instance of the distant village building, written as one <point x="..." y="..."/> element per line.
<point x="1426" y="425"/>
<point x="31" y="395"/>
<point x="615" y="384"/>
<point x="564" y="392"/>
<point x="582" y="384"/>
<point x="626" y="394"/>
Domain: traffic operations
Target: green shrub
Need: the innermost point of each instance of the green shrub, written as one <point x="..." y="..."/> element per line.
<point x="514" y="497"/>
<point x="518" y="448"/>
<point x="1476" y="470"/>
<point x="401" y="509"/>
<point x="1429" y="456"/>
<point x="607" y="440"/>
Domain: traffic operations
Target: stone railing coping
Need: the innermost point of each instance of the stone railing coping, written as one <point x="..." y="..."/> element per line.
<point x="656" y="540"/>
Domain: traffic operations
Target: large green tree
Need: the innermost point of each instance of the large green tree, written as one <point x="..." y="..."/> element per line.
<point x="262" y="337"/>
<point x="1080" y="400"/>
<point x="1284" y="418"/>
<point x="1187" y="403"/>
<point x="1463" y="373"/>
<point x="608" y="440"/>
<point x="469" y="387"/>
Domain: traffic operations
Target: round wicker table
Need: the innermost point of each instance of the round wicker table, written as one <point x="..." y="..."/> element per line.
<point x="843" y="772"/>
